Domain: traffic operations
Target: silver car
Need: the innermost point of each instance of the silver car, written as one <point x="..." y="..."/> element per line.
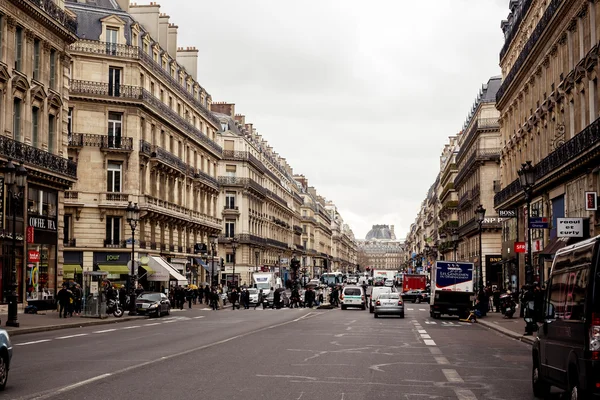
<point x="253" y="295"/>
<point x="6" y="351"/>
<point x="389" y="304"/>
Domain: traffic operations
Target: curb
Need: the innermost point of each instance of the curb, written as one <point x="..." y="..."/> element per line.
<point x="46" y="328"/>
<point x="507" y="332"/>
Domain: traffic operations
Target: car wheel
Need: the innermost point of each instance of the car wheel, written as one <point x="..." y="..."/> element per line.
<point x="3" y="371"/>
<point x="168" y="310"/>
<point x="376" y="315"/>
<point x="540" y="388"/>
<point x="402" y="315"/>
<point x="343" y="307"/>
<point x="575" y="392"/>
<point x="418" y="300"/>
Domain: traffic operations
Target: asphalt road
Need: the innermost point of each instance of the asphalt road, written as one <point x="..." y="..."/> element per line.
<point x="296" y="354"/>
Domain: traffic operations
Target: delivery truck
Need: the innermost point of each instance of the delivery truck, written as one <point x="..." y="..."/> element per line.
<point x="414" y="282"/>
<point x="382" y="275"/>
<point x="451" y="289"/>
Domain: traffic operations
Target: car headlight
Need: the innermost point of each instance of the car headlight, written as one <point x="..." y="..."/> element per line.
<point x="153" y="305"/>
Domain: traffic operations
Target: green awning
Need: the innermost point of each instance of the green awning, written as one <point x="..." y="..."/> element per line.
<point x="115" y="269"/>
<point x="72" y="269"/>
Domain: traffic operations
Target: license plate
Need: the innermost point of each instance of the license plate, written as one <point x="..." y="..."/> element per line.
<point x="453" y="309"/>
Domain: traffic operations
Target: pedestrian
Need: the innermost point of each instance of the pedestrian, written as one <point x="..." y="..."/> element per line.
<point x="139" y="290"/>
<point x="207" y="294"/>
<point x="189" y="296"/>
<point x="77" y="296"/>
<point x="180" y="294"/>
<point x="214" y="299"/>
<point x="123" y="297"/>
<point x="309" y="297"/>
<point x="200" y="295"/>
<point x="261" y="299"/>
<point x="246" y="299"/>
<point x="295" y="300"/>
<point x="276" y="299"/>
<point x="64" y="297"/>
<point x="234" y="299"/>
<point x="496" y="297"/>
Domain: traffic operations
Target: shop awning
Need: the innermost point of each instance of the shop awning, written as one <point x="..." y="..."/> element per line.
<point x="200" y="262"/>
<point x="148" y="269"/>
<point x="164" y="271"/>
<point x="115" y="269"/>
<point x="69" y="270"/>
<point x="556" y="244"/>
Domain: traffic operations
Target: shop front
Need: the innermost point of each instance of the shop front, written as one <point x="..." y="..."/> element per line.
<point x="115" y="265"/>
<point x="41" y="276"/>
<point x="72" y="271"/>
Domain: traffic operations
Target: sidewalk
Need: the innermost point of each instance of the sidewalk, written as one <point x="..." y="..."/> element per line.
<point x="49" y="321"/>
<point x="513" y="327"/>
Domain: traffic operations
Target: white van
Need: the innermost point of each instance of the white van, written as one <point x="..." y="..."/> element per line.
<point x="353" y="296"/>
<point x="375" y="292"/>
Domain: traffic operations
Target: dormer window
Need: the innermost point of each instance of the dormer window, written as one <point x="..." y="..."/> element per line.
<point x="112" y="38"/>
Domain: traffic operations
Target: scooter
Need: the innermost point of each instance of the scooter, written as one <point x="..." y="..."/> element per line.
<point x="114" y="307"/>
<point x="507" y="305"/>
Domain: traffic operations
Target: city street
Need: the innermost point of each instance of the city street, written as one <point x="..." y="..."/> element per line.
<point x="273" y="354"/>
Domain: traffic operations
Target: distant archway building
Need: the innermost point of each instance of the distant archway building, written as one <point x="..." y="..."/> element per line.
<point x="380" y="249"/>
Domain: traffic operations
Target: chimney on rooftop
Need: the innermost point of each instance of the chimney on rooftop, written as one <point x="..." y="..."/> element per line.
<point x="163" y="31"/>
<point x="124" y="5"/>
<point x="223" y="108"/>
<point x="147" y="16"/>
<point x="188" y="57"/>
<point x="241" y="119"/>
<point x="172" y="40"/>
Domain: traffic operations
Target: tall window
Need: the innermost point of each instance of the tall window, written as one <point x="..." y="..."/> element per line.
<point x="17" y="119"/>
<point x="230" y="228"/>
<point x="51" y="133"/>
<point x="230" y="200"/>
<point x="1" y="35"/>
<point x="18" y="48"/>
<point x="111" y="40"/>
<point x="35" y="120"/>
<point x="113" y="178"/>
<point x="115" y="122"/>
<point x="113" y="231"/>
<point x="70" y="123"/>
<point x="229" y="170"/>
<point x="67" y="221"/>
<point x="52" y="69"/>
<point x="114" y="81"/>
<point x="36" y="59"/>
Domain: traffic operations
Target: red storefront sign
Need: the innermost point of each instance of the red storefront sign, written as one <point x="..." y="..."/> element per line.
<point x="33" y="256"/>
<point x="30" y="234"/>
<point x="520" y="247"/>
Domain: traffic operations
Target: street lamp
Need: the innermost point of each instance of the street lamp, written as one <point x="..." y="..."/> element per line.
<point x="234" y="244"/>
<point x="279" y="267"/>
<point x="454" y="239"/>
<point x="214" y="240"/>
<point x="133" y="216"/>
<point x="527" y="180"/>
<point x="15" y="179"/>
<point x="480" y="211"/>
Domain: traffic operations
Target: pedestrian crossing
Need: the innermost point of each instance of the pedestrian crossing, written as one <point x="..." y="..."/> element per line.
<point x="447" y="323"/>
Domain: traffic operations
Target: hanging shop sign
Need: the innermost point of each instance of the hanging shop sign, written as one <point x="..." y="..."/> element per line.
<point x="42" y="223"/>
<point x="520" y="247"/>
<point x="591" y="201"/>
<point x="30" y="234"/>
<point x="569" y="227"/>
<point x="33" y="256"/>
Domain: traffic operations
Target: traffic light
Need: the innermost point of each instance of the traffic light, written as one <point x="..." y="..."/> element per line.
<point x="222" y="264"/>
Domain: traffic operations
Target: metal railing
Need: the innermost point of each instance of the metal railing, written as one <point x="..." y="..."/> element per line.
<point x="58" y="14"/>
<point x="105" y="142"/>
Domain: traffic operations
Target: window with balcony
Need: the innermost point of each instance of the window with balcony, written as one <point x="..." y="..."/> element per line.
<point x="113" y="178"/>
<point x="229" y="228"/>
<point x="230" y="170"/>
<point x="113" y="231"/>
<point x="17" y="118"/>
<point x="51" y="133"/>
<point x="18" y="48"/>
<point x="67" y="232"/>
<point x="230" y="200"/>
<point x="143" y="81"/>
<point x="35" y="120"/>
<point x="115" y="124"/>
<point x="36" y="59"/>
<point x="70" y="124"/>
<point x="114" y="81"/>
<point x="53" y="69"/>
<point x="112" y="38"/>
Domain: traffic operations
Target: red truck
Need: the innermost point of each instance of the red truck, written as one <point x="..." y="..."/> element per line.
<point x="414" y="282"/>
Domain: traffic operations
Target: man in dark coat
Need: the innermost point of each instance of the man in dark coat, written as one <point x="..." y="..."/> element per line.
<point x="276" y="299"/>
<point x="207" y="294"/>
<point x="64" y="297"/>
<point x="234" y="297"/>
<point x="123" y="297"/>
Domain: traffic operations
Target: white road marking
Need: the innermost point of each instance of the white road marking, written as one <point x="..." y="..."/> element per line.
<point x="465" y="394"/>
<point x="299" y="397"/>
<point x="34" y="342"/>
<point x="429" y="342"/>
<point x="410" y="309"/>
<point x="152" y="324"/>
<point x="309" y="378"/>
<point x="441" y="360"/>
<point x="422" y="331"/>
<point x="422" y="309"/>
<point x="435" y="350"/>
<point x="431" y="322"/>
<point x="452" y="376"/>
<point x="202" y="316"/>
<point x="71" y="336"/>
<point x="425" y="336"/>
<point x="75" y="385"/>
<point x="131" y="327"/>
<point x="169" y="322"/>
<point x="105" y="331"/>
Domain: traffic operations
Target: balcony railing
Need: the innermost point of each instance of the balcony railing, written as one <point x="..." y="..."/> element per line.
<point x="114" y="197"/>
<point x="58" y="14"/>
<point x="71" y="195"/>
<point x="474" y="156"/>
<point x="557" y="161"/>
<point x="105" y="142"/>
<point x="528" y="48"/>
<point x="44" y="160"/>
<point x="207" y="179"/>
<point x="276" y="243"/>
<point x="70" y="242"/>
<point x="115" y="243"/>
<point x="169" y="159"/>
<point x="276" y="197"/>
<point x="181" y="211"/>
<point x="523" y="9"/>
<point x="244" y="156"/>
<point x="136" y="53"/>
<point x="244" y="182"/>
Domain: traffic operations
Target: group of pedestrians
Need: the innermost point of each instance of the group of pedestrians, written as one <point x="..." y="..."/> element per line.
<point x="69" y="301"/>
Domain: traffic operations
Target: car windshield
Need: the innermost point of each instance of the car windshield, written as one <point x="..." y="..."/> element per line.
<point x="150" y="296"/>
<point x="352" y="292"/>
<point x="389" y="296"/>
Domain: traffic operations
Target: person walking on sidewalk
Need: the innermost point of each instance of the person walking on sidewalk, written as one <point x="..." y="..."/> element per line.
<point x="207" y="294"/>
<point x="77" y="296"/>
<point x="64" y="298"/>
<point x="234" y="299"/>
<point x="214" y="300"/>
<point x="189" y="296"/>
<point x="123" y="297"/>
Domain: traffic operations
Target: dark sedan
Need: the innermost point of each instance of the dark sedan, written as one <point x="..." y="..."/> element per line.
<point x="153" y="304"/>
<point x="415" y="296"/>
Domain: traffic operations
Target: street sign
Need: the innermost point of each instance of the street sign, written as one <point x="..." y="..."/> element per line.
<point x="569" y="227"/>
<point x="520" y="247"/>
<point x="538" y="223"/>
<point x="510" y="213"/>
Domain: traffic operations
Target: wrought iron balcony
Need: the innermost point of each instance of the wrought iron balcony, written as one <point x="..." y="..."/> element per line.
<point x="121" y="244"/>
<point x="57" y="14"/>
<point x="145" y="148"/>
<point x="167" y="158"/>
<point x="276" y="243"/>
<point x="175" y="210"/>
<point x="276" y="197"/>
<point x="70" y="242"/>
<point x="207" y="179"/>
<point x="236" y="155"/>
<point x="44" y="160"/>
<point x="93" y="88"/>
<point x="472" y="160"/>
<point x="514" y="26"/>
<point x="113" y="197"/>
<point x="529" y="46"/>
<point x="104" y="142"/>
<point x="243" y="182"/>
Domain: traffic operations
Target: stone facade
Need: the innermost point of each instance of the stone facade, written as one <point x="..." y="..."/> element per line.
<point x="34" y="100"/>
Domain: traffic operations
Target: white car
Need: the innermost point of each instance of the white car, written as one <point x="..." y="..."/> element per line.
<point x="389" y="283"/>
<point x="253" y="295"/>
<point x="352" y="296"/>
<point x="375" y="292"/>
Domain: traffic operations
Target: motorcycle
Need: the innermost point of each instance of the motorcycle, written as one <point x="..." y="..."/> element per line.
<point x="507" y="305"/>
<point x="113" y="307"/>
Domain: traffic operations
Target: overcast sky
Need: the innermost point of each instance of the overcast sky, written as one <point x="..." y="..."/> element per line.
<point x="358" y="96"/>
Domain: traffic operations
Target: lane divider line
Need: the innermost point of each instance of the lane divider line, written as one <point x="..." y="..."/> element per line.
<point x="105" y="331"/>
<point x="71" y="336"/>
<point x="33" y="342"/>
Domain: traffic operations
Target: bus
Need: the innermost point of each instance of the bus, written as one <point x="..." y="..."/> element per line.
<point x="332" y="278"/>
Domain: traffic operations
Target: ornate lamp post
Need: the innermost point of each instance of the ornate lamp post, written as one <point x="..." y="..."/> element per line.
<point x="15" y="179"/>
<point x="455" y="242"/>
<point x="279" y="267"/>
<point x="527" y="180"/>
<point x="133" y="216"/>
<point x="214" y="240"/>
<point x="234" y="244"/>
<point x="480" y="211"/>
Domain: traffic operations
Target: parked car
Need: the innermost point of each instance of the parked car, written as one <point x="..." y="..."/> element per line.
<point x="352" y="296"/>
<point x="6" y="351"/>
<point x="416" y="296"/>
<point x="375" y="292"/>
<point x="153" y="304"/>
<point x="389" y="304"/>
<point x="253" y="292"/>
<point x="566" y="351"/>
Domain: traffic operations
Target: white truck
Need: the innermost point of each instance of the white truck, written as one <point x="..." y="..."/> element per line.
<point x="382" y="275"/>
<point x="266" y="281"/>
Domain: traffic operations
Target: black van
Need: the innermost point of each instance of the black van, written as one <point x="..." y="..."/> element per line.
<point x="566" y="353"/>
